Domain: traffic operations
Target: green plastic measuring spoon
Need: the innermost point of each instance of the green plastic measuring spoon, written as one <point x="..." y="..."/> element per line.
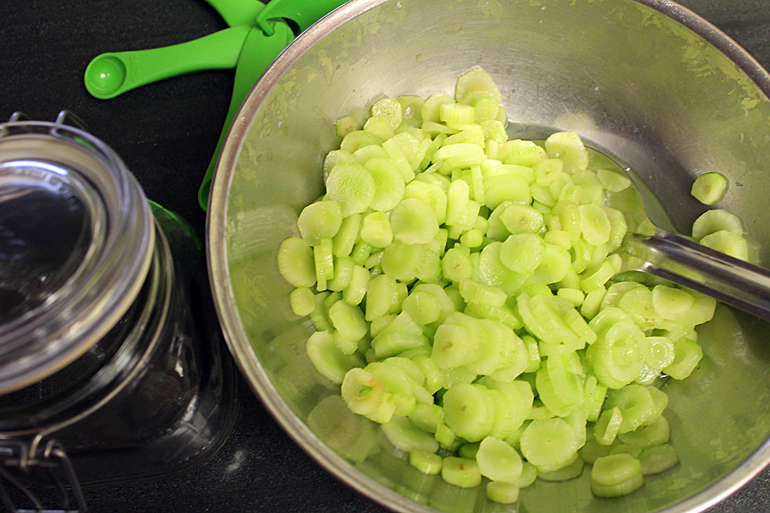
<point x="111" y="74"/>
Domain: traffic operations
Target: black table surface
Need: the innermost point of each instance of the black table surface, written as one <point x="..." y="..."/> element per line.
<point x="166" y="133"/>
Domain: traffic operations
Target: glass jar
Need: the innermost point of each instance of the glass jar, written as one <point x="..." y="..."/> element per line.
<point x="111" y="361"/>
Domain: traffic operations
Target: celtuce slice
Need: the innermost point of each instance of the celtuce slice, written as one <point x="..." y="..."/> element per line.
<point x="464" y="296"/>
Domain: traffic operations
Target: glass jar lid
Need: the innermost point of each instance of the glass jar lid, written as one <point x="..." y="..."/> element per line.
<point x="76" y="240"/>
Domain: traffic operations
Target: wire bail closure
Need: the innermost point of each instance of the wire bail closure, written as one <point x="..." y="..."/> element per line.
<point x="21" y="458"/>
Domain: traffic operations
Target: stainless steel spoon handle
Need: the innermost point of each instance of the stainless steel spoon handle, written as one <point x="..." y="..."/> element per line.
<point x="687" y="263"/>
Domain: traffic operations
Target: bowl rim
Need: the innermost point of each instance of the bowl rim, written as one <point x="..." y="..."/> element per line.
<point x="237" y="341"/>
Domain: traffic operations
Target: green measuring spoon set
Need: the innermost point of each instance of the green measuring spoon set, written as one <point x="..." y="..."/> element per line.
<point x="256" y="34"/>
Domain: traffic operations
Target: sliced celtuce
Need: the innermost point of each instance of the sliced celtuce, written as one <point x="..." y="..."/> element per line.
<point x="464" y="294"/>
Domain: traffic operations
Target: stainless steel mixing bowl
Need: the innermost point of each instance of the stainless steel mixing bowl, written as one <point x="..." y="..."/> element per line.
<point x="648" y="82"/>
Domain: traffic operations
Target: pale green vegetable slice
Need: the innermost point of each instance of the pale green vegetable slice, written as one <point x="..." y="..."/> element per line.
<point x="343" y="273"/>
<point x="403" y="434"/>
<point x="727" y="242"/>
<point x="296" y="262"/>
<point x="613" y="181"/>
<point x="618" y="228"/>
<point x="346" y="236"/>
<point x="411" y="109"/>
<point x="388" y="181"/>
<point x="461" y="472"/>
<point x="554" y="265"/>
<point x="593" y="450"/>
<point x="357" y="139"/>
<point x="427" y="416"/>
<point x="452" y="346"/>
<point x="618" y="490"/>
<point x="570" y="471"/>
<point x="544" y="320"/>
<point x="430" y="110"/>
<point x="422" y="306"/>
<point x="658" y="459"/>
<point x="394" y="343"/>
<point x="568" y="147"/>
<point x="426" y="462"/>
<point x="522" y="252"/>
<point x="390" y="109"/>
<point x="469" y="412"/>
<point x="457" y="114"/>
<point x="379" y="126"/>
<point x="403" y="261"/>
<point x="345" y="125"/>
<point x="475" y="292"/>
<point x="318" y="220"/>
<point x="349" y="321"/>
<point x="458" y="199"/>
<point x="595" y="225"/>
<point x="469" y="450"/>
<point x="502" y="492"/>
<point x="323" y="256"/>
<point x="549" y="444"/>
<point x="636" y="405"/>
<point x="710" y="188"/>
<point x="671" y="302"/>
<point x="432" y="194"/>
<point x="498" y="460"/>
<point x="548" y="172"/>
<point x="608" y="425"/>
<point x="352" y="186"/>
<point x="521" y="219"/>
<point x="616" y="357"/>
<point x="492" y="271"/>
<point x="328" y="360"/>
<point x="506" y="187"/>
<point x="716" y="220"/>
<point x="302" y="301"/>
<point x="615" y="469"/>
<point x="522" y="153"/>
<point x="630" y="449"/>
<point x="445" y="436"/>
<point x="616" y="475"/>
<point x="659" y="352"/>
<point x="376" y="230"/>
<point x="687" y="355"/>
<point x="396" y="153"/>
<point x="366" y="153"/>
<point x="361" y="252"/>
<point x="594" y="394"/>
<point x="657" y="433"/>
<point x="413" y="222"/>
<point x="476" y="84"/>
<point x="362" y="391"/>
<point x="380" y="294"/>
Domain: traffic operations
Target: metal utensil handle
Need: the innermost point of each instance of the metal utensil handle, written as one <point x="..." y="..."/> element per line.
<point x="678" y="259"/>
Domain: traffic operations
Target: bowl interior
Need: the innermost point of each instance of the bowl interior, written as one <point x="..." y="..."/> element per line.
<point x="635" y="83"/>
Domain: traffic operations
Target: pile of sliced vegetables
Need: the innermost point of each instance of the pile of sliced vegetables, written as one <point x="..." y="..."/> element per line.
<point x="462" y="289"/>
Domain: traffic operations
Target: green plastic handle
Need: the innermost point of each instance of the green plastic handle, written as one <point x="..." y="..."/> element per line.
<point x="237" y="12"/>
<point x="262" y="46"/>
<point x="258" y="53"/>
<point x="111" y="74"/>
<point x="302" y="12"/>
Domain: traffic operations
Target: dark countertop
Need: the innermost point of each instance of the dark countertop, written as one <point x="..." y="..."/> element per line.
<point x="166" y="133"/>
